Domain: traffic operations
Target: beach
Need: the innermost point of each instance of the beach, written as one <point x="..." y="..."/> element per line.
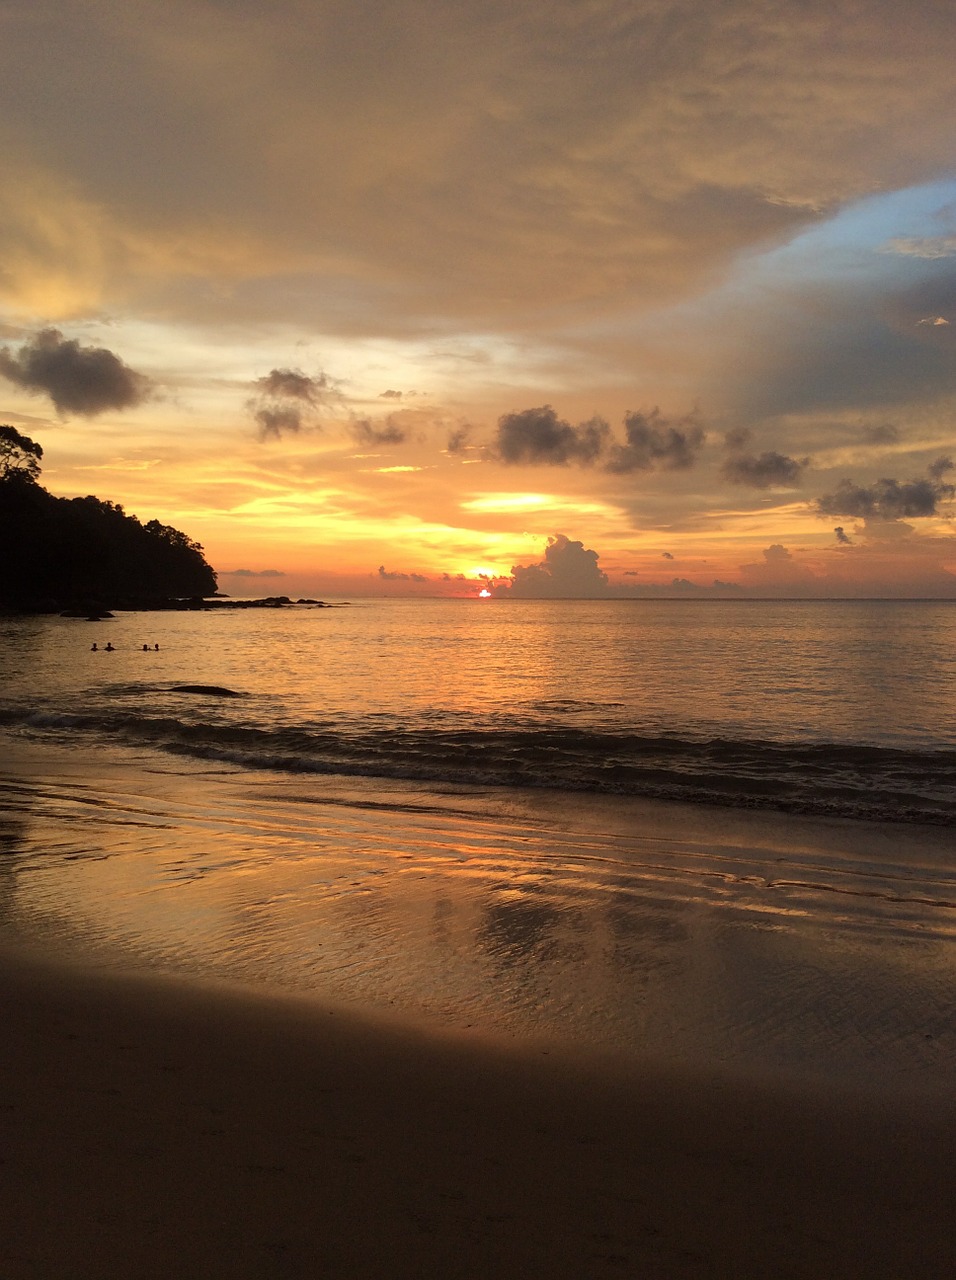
<point x="337" y="977"/>
<point x="179" y="1102"/>
<point x="163" y="1128"/>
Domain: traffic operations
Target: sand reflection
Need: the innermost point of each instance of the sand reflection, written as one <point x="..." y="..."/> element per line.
<point x="625" y="933"/>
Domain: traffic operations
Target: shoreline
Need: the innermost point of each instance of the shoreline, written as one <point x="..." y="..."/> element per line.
<point x="158" y="1126"/>
<point x="700" y="935"/>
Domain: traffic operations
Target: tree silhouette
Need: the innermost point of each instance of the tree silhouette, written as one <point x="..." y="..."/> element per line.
<point x="75" y="552"/>
<point x="19" y="456"/>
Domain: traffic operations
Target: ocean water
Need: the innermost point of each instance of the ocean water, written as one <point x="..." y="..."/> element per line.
<point x="846" y="709"/>
<point x="710" y="828"/>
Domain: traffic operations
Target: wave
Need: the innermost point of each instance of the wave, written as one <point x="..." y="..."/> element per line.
<point x="835" y="779"/>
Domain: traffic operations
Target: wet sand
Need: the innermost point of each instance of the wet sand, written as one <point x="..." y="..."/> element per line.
<point x="798" y="1119"/>
<point x="159" y="1128"/>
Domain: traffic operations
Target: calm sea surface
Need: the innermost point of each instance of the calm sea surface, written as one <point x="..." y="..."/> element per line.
<point x="831" y="708"/>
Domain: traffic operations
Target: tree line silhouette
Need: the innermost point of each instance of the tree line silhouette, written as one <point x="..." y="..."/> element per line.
<point x="84" y="553"/>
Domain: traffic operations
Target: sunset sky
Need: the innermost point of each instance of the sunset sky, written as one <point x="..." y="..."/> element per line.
<point x="604" y="297"/>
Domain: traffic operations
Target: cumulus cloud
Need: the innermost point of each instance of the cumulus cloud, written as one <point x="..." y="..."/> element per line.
<point x="285" y="401"/>
<point x="890" y="499"/>
<point x="539" y="437"/>
<point x="766" y="470"/>
<point x="780" y="572"/>
<point x="388" y="576"/>
<point x="654" y="442"/>
<point x="842" y="537"/>
<point x="82" y="380"/>
<point x="568" y="570"/>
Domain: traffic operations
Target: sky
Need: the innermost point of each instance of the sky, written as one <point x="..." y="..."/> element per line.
<point x="562" y="298"/>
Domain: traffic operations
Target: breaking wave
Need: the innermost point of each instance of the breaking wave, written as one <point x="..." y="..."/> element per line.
<point x="827" y="778"/>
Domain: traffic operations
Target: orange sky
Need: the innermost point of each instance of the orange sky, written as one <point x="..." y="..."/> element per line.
<point x="636" y="296"/>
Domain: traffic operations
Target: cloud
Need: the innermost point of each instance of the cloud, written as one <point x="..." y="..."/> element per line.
<point x="278" y="422"/>
<point x="387" y="576"/>
<point x="654" y="442"/>
<point x="923" y="247"/>
<point x="881" y="433"/>
<point x="252" y="573"/>
<point x="667" y="555"/>
<point x="777" y="554"/>
<point x="82" y="380"/>
<point x="539" y="437"/>
<point x="371" y="434"/>
<point x="285" y="401"/>
<point x="759" y="471"/>
<point x="780" y="573"/>
<point x="842" y="536"/>
<point x="890" y="499"/>
<point x="568" y="570"/>
<point x="458" y="439"/>
<point x="830" y="321"/>
<point x="617" y="152"/>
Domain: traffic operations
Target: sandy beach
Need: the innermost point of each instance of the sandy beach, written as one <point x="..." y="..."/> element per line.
<point x="155" y="1127"/>
<point x="258" y="1028"/>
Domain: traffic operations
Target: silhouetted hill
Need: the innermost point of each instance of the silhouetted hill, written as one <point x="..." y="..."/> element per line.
<point x="58" y="553"/>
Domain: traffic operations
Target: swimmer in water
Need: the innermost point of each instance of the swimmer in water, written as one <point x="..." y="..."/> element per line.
<point x="109" y="647"/>
<point x="145" y="648"/>
<point x="93" y="648"/>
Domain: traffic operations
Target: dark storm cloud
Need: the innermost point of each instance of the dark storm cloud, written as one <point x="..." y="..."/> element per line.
<point x="567" y="570"/>
<point x="889" y="499"/>
<point x="758" y="470"/>
<point x="842" y="536"/>
<point x="371" y="433"/>
<point x="539" y="437"/>
<point x="82" y="380"/>
<point x="654" y="443"/>
<point x="285" y="401"/>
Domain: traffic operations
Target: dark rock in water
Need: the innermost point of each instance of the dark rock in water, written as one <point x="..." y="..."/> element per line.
<point x="213" y="690"/>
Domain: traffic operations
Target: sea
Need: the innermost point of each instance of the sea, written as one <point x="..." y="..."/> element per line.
<point x="720" y="828"/>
